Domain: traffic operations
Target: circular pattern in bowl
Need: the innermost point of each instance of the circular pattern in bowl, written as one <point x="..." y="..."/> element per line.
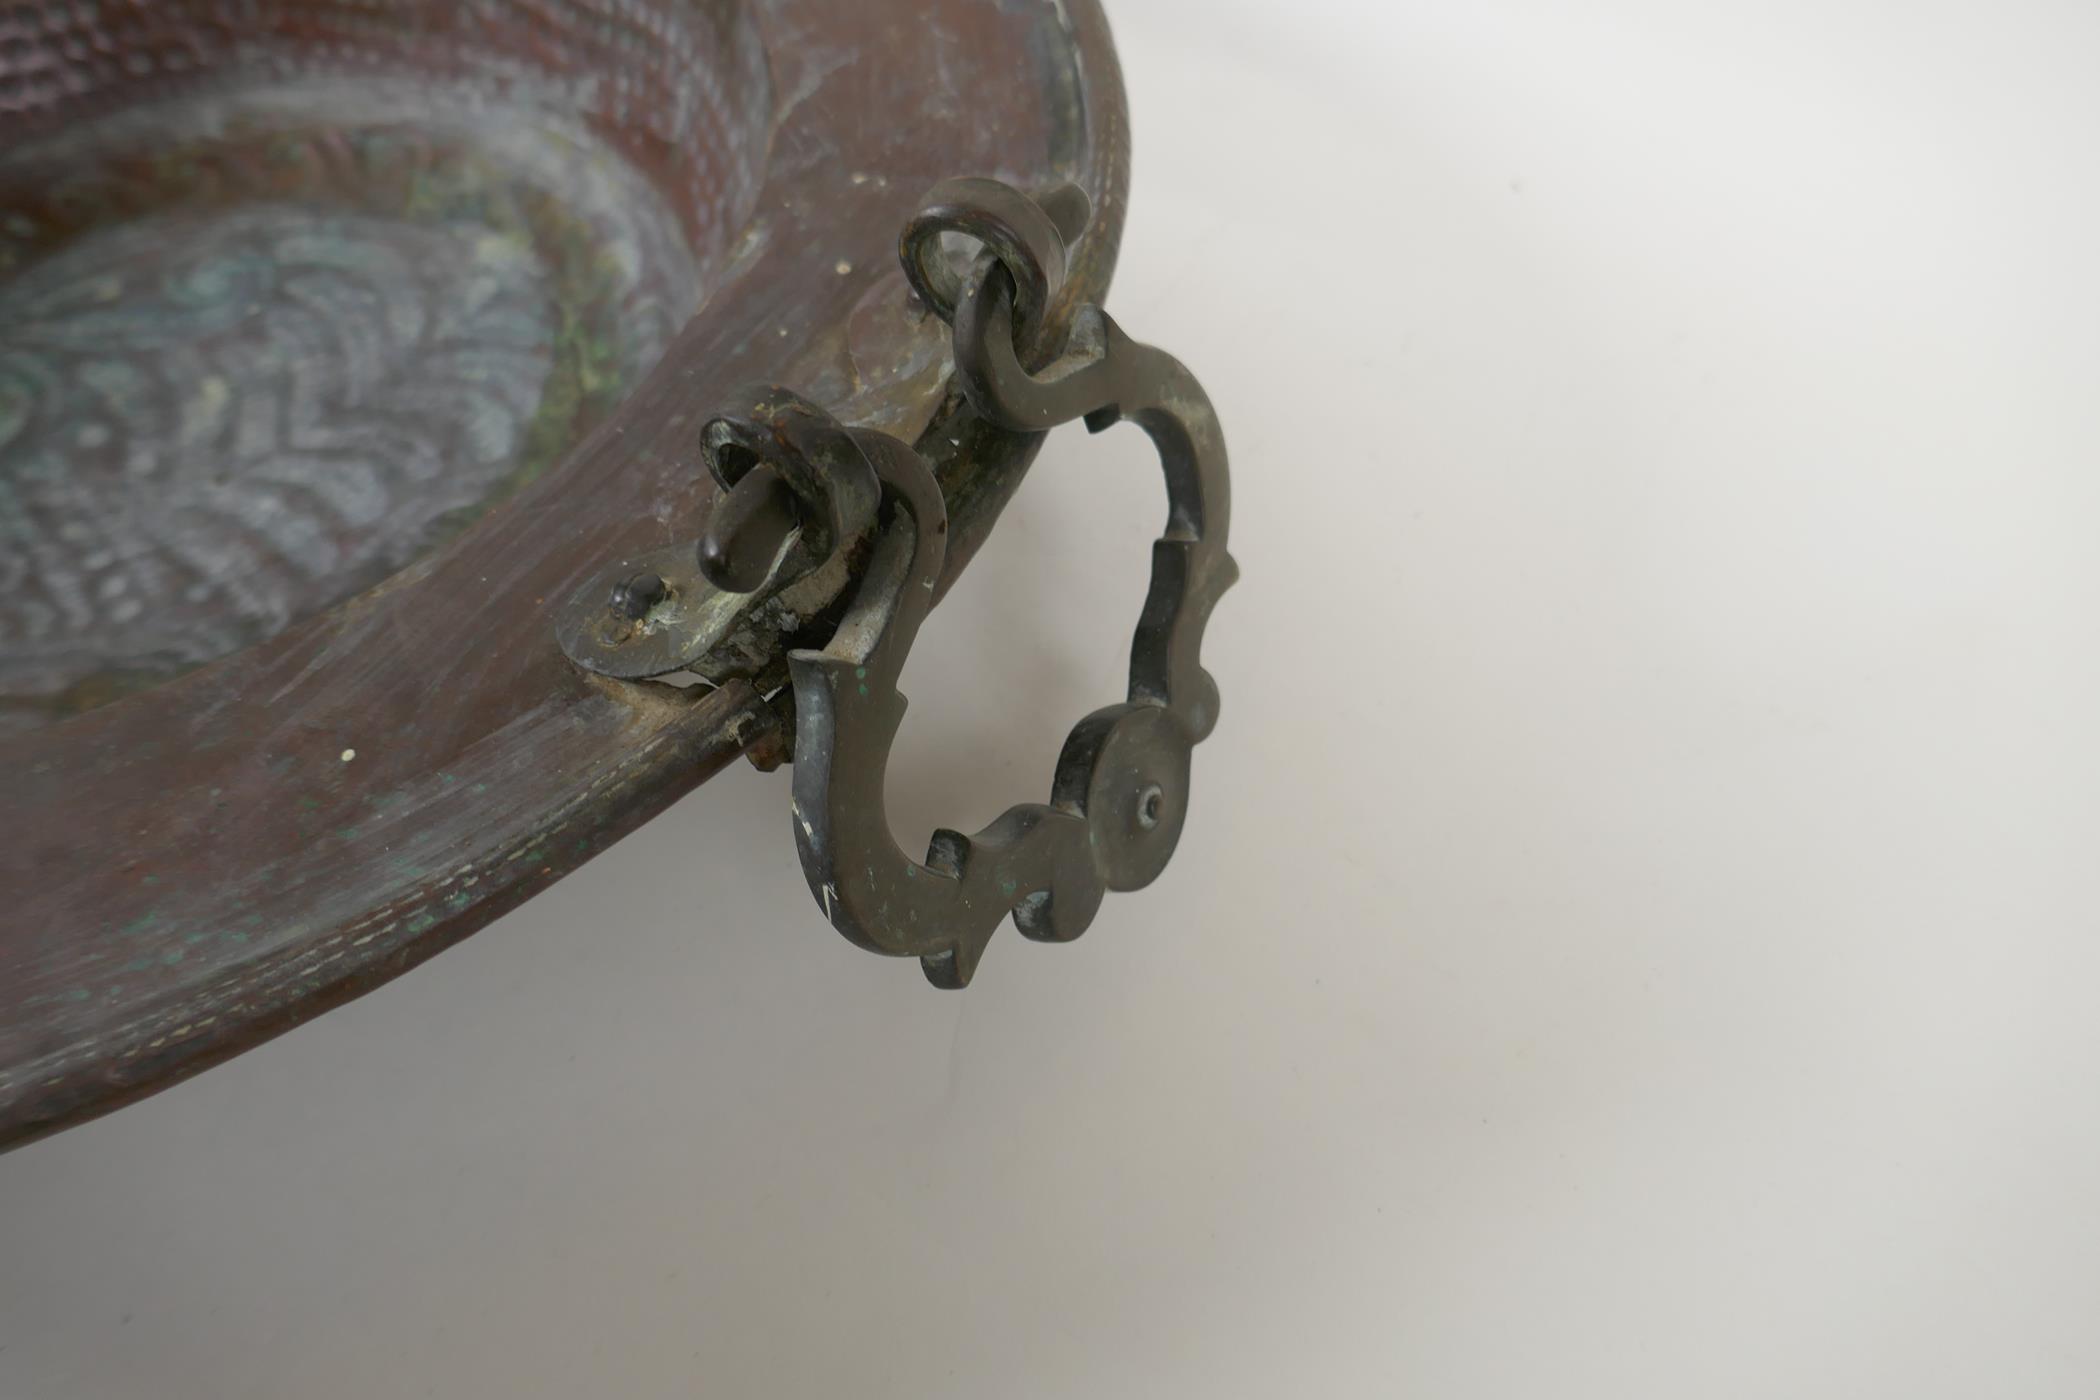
<point x="291" y="293"/>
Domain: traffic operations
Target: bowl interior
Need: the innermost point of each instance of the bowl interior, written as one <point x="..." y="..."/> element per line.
<point x="290" y="293"/>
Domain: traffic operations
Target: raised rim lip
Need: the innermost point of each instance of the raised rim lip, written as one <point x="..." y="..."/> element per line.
<point x="619" y="754"/>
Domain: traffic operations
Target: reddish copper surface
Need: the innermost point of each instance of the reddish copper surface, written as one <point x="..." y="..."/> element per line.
<point x="662" y="80"/>
<point x="188" y="871"/>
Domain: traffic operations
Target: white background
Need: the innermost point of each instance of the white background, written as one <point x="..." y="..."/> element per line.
<point x="1636" y="931"/>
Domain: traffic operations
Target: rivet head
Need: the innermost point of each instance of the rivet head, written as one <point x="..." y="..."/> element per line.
<point x="632" y="598"/>
<point x="1150" y="804"/>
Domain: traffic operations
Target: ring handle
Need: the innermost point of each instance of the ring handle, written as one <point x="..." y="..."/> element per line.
<point x="805" y="499"/>
<point x="1121" y="791"/>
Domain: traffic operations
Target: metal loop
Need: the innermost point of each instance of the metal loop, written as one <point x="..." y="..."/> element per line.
<point x="1026" y="237"/>
<point x="783" y="465"/>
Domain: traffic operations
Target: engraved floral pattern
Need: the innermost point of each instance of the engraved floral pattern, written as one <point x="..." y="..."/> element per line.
<point x="286" y="357"/>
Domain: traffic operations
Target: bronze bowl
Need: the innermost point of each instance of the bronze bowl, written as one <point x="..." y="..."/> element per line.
<point x="338" y="340"/>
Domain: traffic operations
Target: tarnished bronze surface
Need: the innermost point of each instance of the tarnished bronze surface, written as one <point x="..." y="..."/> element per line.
<point x="338" y="341"/>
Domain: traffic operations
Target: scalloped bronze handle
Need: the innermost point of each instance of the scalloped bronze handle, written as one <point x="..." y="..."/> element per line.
<point x="798" y="485"/>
